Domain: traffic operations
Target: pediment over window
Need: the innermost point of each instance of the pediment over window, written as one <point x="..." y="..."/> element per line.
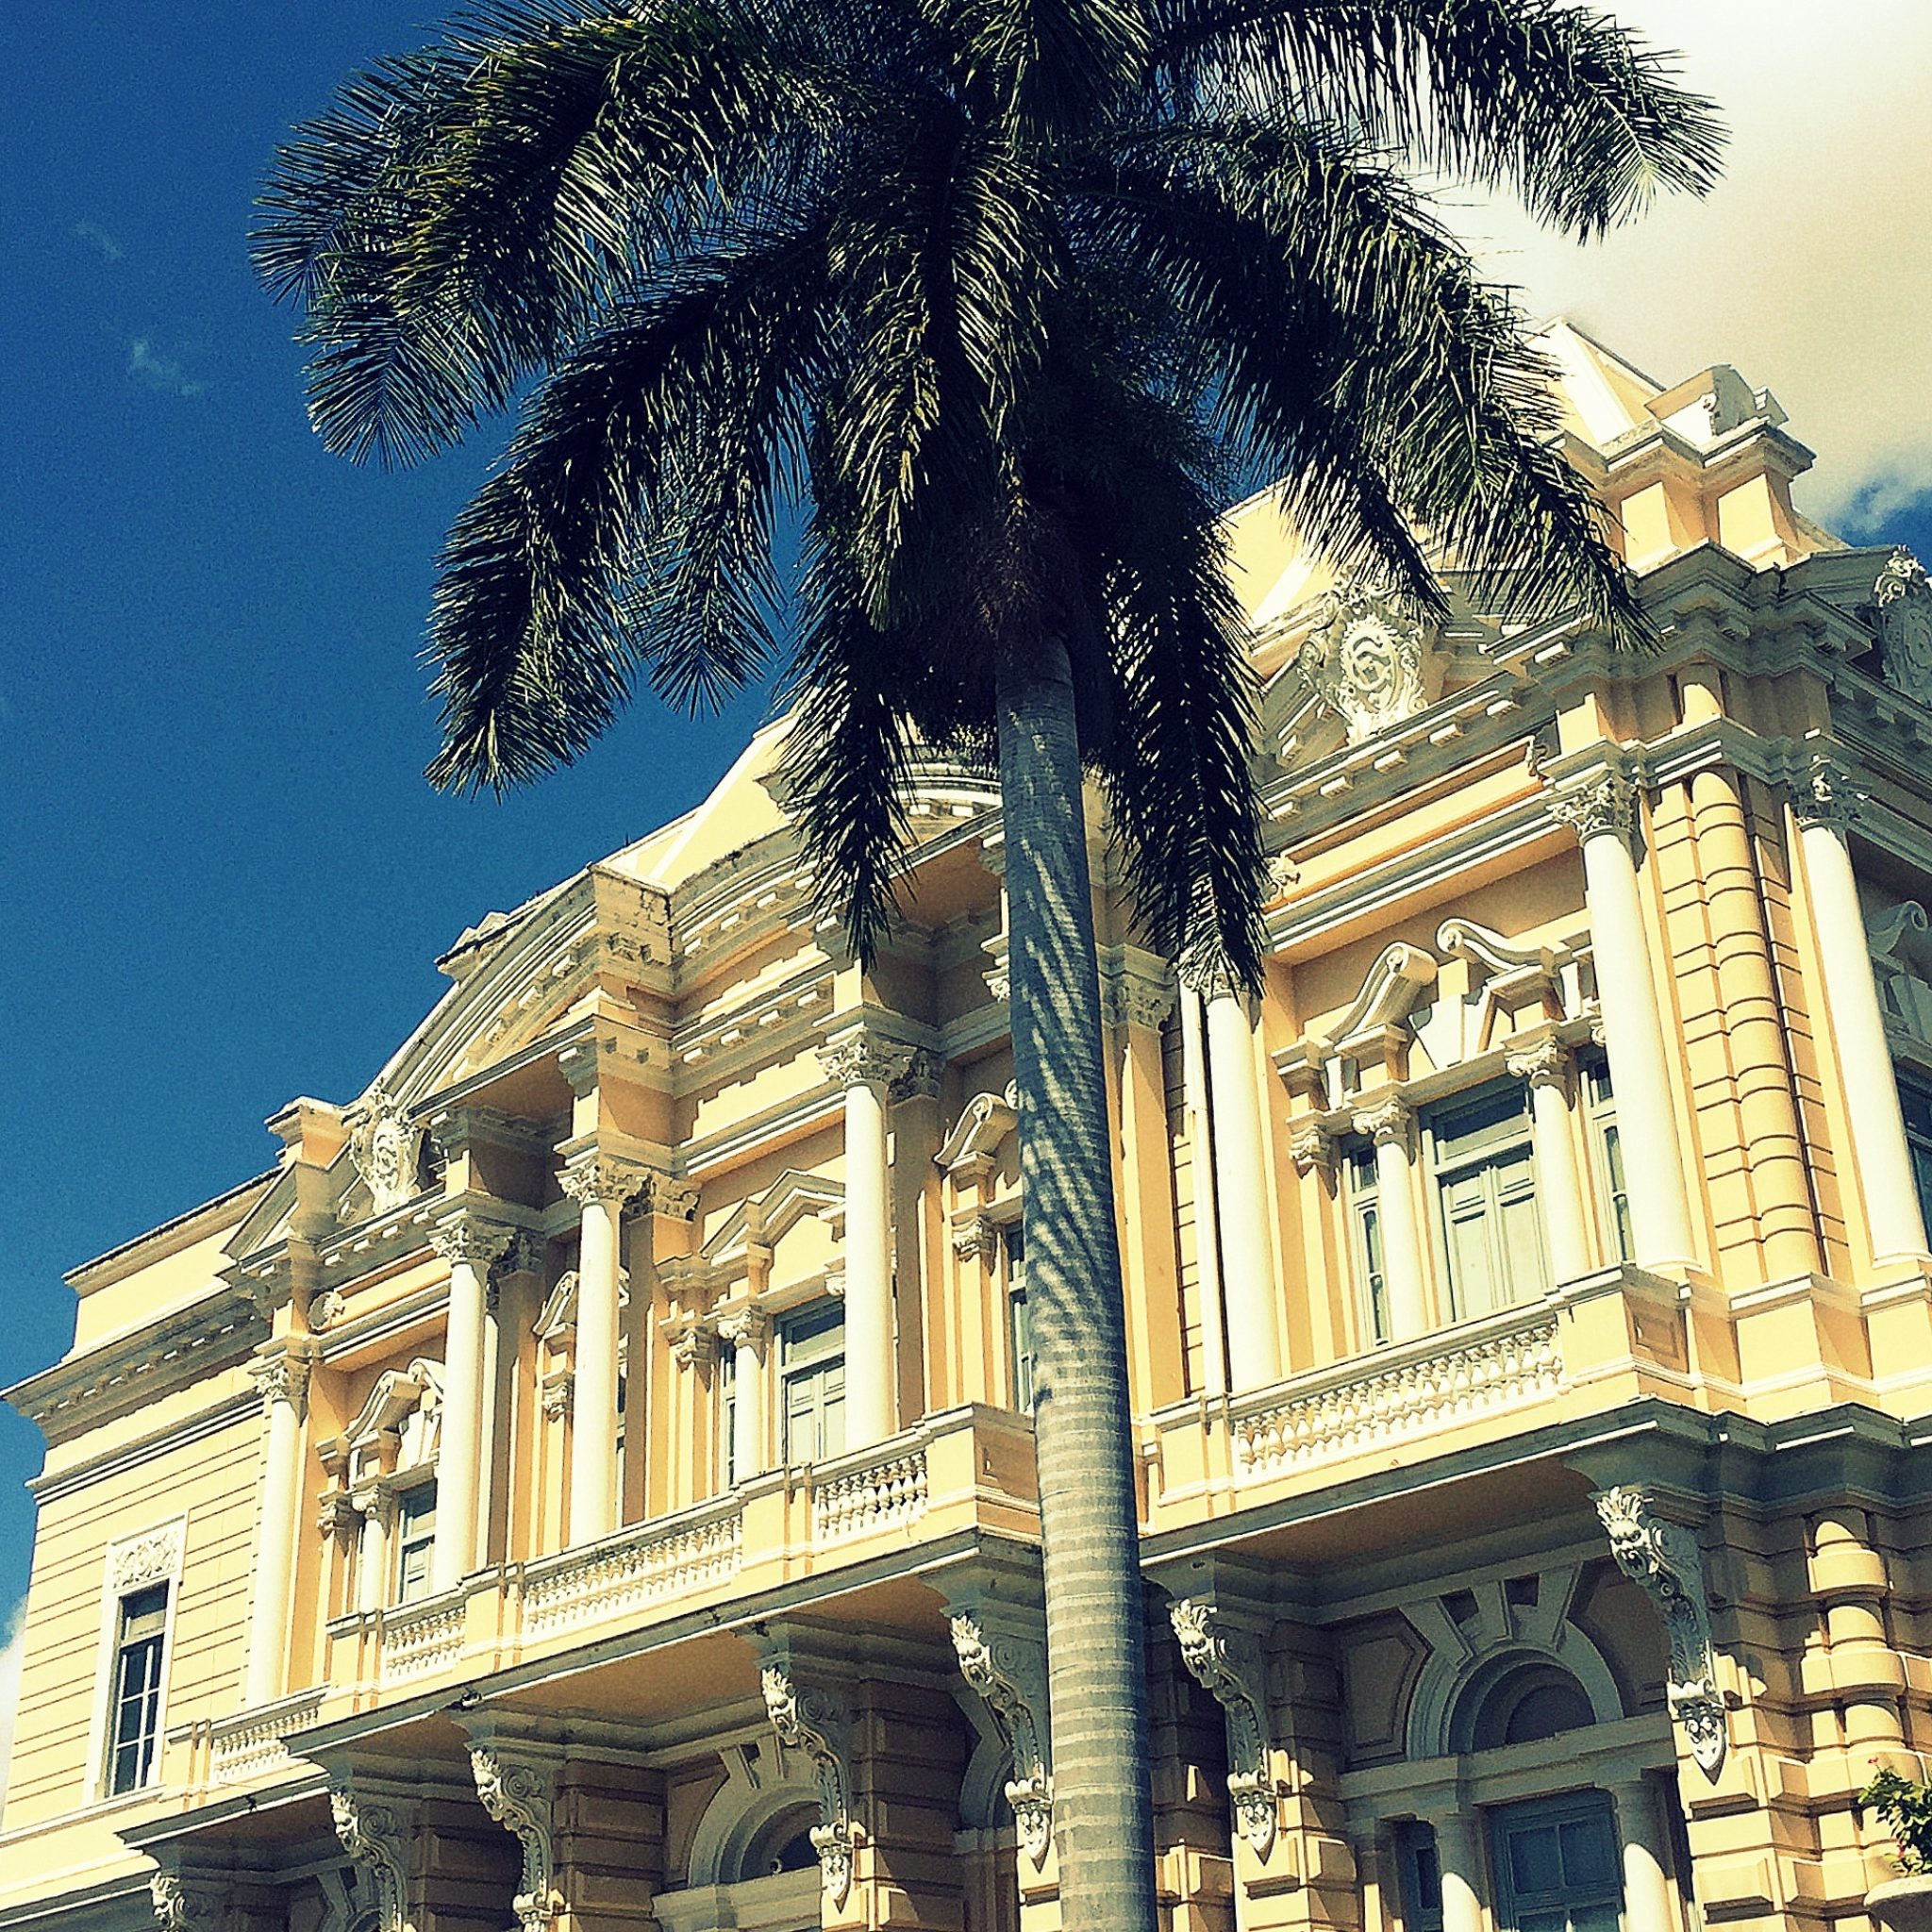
<point x="1899" y="940"/>
<point x="399" y="1426"/>
<point x="984" y="1122"/>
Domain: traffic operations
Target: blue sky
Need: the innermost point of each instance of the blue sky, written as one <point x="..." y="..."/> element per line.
<point x="223" y="877"/>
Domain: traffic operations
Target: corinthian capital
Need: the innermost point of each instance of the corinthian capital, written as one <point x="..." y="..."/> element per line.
<point x="1825" y="796"/>
<point x="281" y="1379"/>
<point x="600" y="1177"/>
<point x="1391" y="1121"/>
<point x="468" y="1238"/>
<point x="866" y="1059"/>
<point x="1602" y="806"/>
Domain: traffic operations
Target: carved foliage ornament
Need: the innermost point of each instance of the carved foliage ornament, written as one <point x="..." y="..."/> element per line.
<point x="1664" y="1560"/>
<point x="385" y="1148"/>
<point x="1227" y="1662"/>
<point x="1826" y="795"/>
<point x="187" y="1904"/>
<point x="1902" y="602"/>
<point x="866" y="1059"/>
<point x="1368" y="660"/>
<point x="153" y="1558"/>
<point x="466" y="1239"/>
<point x="1010" y="1674"/>
<point x="1602" y="806"/>
<point x="375" y="1836"/>
<point x="814" y="1722"/>
<point x="521" y="1796"/>
<point x="597" y="1177"/>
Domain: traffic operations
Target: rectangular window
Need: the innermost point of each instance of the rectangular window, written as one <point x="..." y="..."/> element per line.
<point x="728" y="1413"/>
<point x="1607" y="1150"/>
<point x="1485" y="1182"/>
<point x="135" y="1716"/>
<point x="415" y="1541"/>
<point x="1421" y="1878"/>
<point x="812" y="1352"/>
<point x="1018" y="1315"/>
<point x="1556" y="1866"/>
<point x="1915" y="1103"/>
<point x="1365" y="1238"/>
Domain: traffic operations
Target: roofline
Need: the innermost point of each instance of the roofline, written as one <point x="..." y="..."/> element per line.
<point x="176" y="1225"/>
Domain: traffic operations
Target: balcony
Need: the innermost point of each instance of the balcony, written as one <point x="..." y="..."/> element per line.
<point x="1605" y="1338"/>
<point x="965" y="1468"/>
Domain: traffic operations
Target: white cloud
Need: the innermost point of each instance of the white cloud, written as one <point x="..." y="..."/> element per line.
<point x="1810" y="266"/>
<point x="11" y="1652"/>
<point x="149" y="362"/>
<point x="98" y="238"/>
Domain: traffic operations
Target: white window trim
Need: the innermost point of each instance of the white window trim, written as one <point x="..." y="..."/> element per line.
<point x="132" y="1563"/>
<point x="1433" y="1164"/>
<point x="1362" y="1195"/>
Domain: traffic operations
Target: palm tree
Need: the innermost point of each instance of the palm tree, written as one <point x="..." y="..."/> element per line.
<point x="997" y="300"/>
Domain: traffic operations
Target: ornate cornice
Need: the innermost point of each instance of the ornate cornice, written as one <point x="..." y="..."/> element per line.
<point x="816" y="1723"/>
<point x="1010" y="1673"/>
<point x="1663" y="1558"/>
<point x="1227" y="1662"/>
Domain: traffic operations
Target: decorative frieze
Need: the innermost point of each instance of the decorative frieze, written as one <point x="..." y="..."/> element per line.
<point x="1010" y="1673"/>
<point x="816" y="1723"/>
<point x="375" y="1834"/>
<point x="1664" y="1560"/>
<point x="1375" y="1408"/>
<point x="1227" y="1662"/>
<point x="862" y="1501"/>
<point x="153" y="1557"/>
<point x="519" y="1791"/>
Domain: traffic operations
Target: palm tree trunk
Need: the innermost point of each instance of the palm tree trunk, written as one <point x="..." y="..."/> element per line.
<point x="1096" y="1664"/>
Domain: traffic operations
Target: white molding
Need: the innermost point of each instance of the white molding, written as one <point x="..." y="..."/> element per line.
<point x="129" y="1563"/>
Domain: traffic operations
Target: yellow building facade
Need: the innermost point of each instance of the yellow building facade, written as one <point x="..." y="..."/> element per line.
<point x="588" y="1483"/>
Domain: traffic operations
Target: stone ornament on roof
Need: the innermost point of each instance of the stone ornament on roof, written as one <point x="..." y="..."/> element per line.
<point x="386" y="1149"/>
<point x="1902" y="604"/>
<point x="1369" y="660"/>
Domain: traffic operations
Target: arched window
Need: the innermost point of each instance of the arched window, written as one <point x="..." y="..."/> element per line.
<point x="1521" y="1700"/>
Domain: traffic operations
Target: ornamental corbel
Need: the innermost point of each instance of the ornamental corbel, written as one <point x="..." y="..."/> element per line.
<point x="1311" y="1145"/>
<point x="375" y="1834"/>
<point x="1664" y="1560"/>
<point x="188" y="1902"/>
<point x="1545" y="1063"/>
<point x="1010" y="1673"/>
<point x="816" y="1723"/>
<point x="1389" y="1123"/>
<point x="519" y="1790"/>
<point x="976" y="1235"/>
<point x="695" y="1346"/>
<point x="1227" y="1662"/>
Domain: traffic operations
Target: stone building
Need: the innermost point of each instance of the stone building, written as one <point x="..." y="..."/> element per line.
<point x="587" y="1483"/>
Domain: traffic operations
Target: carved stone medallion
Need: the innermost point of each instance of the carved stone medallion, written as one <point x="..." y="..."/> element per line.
<point x="1369" y="661"/>
<point x="1902" y="603"/>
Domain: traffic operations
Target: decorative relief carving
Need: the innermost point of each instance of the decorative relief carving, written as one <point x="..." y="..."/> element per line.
<point x="696" y="1346"/>
<point x="573" y="1590"/>
<point x="866" y="1059"/>
<point x="1311" y="1145"/>
<point x="921" y="1079"/>
<point x="1546" y="1063"/>
<point x="1604" y="806"/>
<point x="748" y="1328"/>
<point x="1010" y="1673"/>
<point x="1225" y="1662"/>
<point x="554" y="1394"/>
<point x="376" y="1838"/>
<point x="154" y="1556"/>
<point x="976" y="1235"/>
<point x="521" y="1795"/>
<point x="1136" y="990"/>
<point x="385" y="1148"/>
<point x="1369" y="660"/>
<point x="326" y="1310"/>
<point x="1664" y="1559"/>
<point x="1902" y="604"/>
<point x="1825" y="796"/>
<point x="815" y="1722"/>
<point x="675" y="1199"/>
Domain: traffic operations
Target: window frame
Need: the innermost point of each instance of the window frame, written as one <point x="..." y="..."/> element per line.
<point x="131" y="1564"/>
<point x="1591" y="1803"/>
<point x="1608" y="1166"/>
<point x="1021" y="1388"/>
<point x="398" y="1593"/>
<point x="1368" y="1257"/>
<point x="1440" y="1166"/>
<point x="788" y="1337"/>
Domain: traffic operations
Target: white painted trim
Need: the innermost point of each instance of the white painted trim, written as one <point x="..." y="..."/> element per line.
<point x="170" y="1536"/>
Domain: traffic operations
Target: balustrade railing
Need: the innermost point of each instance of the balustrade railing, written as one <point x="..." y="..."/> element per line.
<point x="873" y="1496"/>
<point x="634" y="1568"/>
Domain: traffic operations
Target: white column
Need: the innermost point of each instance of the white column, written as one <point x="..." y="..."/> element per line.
<point x="1648" y="1903"/>
<point x="1458" y="1854"/>
<point x="746" y="1332"/>
<point x="471" y="1246"/>
<point x="1391" y="1126"/>
<point x="865" y="1066"/>
<point x="283" y="1380"/>
<point x="1558" y="1181"/>
<point x="1206" y="1216"/>
<point x="1241" y="1181"/>
<point x="378" y="1511"/>
<point x="1880" y="1159"/>
<point x="1604" y="815"/>
<point x="601" y="1186"/>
